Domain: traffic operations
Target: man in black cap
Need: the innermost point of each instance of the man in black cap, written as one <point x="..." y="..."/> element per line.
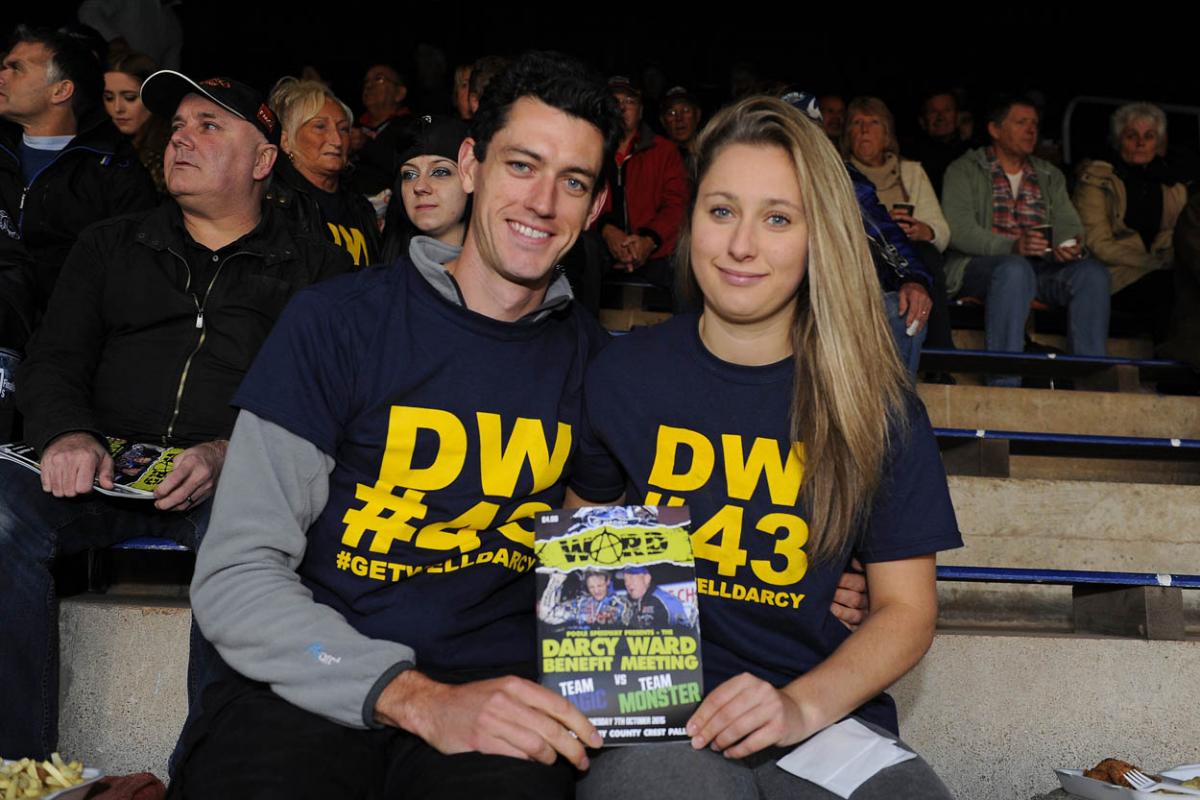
<point x="155" y="320"/>
<point x="680" y="119"/>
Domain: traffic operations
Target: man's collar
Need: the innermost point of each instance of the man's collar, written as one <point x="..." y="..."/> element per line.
<point x="430" y="256"/>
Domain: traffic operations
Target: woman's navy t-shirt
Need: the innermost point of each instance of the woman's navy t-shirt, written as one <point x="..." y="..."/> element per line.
<point x="685" y="427"/>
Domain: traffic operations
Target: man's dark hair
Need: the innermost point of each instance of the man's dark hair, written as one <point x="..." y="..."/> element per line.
<point x="1000" y="105"/>
<point x="938" y="91"/>
<point x="483" y="70"/>
<point x="560" y="82"/>
<point x="72" y="58"/>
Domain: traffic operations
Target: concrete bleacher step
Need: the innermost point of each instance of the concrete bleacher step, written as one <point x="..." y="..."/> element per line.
<point x="1119" y="347"/>
<point x="1049" y="411"/>
<point x="1111" y="470"/>
<point x="622" y="319"/>
<point x="123" y="690"/>
<point x="993" y="713"/>
<point x="1064" y="524"/>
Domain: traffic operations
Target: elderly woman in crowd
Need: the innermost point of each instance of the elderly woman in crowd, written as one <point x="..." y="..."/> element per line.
<point x="307" y="184"/>
<point x="869" y="143"/>
<point x="1129" y="206"/>
<point x="123" y="102"/>
<point x="428" y="198"/>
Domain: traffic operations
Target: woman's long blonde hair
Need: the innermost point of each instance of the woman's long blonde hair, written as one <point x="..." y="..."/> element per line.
<point x="850" y="390"/>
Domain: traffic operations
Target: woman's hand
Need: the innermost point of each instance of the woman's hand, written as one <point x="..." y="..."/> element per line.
<point x="915" y="229"/>
<point x="744" y="715"/>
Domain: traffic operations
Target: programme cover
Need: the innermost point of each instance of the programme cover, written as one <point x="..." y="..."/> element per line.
<point x="138" y="467"/>
<point x="618" y="633"/>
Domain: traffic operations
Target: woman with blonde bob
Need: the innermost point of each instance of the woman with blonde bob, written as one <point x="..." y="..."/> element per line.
<point x="782" y="417"/>
<point x="307" y="182"/>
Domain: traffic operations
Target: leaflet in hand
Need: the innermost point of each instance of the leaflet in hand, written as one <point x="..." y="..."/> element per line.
<point x="618" y="633"/>
<point x="138" y="467"/>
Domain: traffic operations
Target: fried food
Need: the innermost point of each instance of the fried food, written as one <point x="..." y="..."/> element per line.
<point x="1110" y="770"/>
<point x="28" y="778"/>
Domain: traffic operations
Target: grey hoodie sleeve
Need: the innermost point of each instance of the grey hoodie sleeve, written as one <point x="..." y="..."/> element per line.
<point x="248" y="598"/>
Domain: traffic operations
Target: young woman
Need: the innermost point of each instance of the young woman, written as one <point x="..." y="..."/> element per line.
<point x="782" y="417"/>
<point x="123" y="102"/>
<point x="427" y="198"/>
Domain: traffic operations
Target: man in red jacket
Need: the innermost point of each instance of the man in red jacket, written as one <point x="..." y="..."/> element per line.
<point x="646" y="204"/>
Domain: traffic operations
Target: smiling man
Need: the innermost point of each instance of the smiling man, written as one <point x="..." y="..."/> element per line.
<point x="367" y="571"/>
<point x="1014" y="236"/>
<point x="151" y="328"/>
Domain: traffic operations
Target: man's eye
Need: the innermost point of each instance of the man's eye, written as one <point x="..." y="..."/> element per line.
<point x="519" y="166"/>
<point x="576" y="185"/>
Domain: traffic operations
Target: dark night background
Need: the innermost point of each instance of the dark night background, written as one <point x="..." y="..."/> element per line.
<point x="892" y="51"/>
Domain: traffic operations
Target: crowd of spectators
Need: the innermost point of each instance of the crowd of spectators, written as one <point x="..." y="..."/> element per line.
<point x="153" y="228"/>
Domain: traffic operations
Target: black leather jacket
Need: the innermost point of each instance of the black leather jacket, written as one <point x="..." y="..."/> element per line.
<point x="293" y="194"/>
<point x="131" y="347"/>
<point x="96" y="176"/>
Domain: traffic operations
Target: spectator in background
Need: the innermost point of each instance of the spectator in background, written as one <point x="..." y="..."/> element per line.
<point x="307" y="184"/>
<point x="939" y="142"/>
<point x="1015" y="236"/>
<point x="142" y="26"/>
<point x="680" y="118"/>
<point x="641" y="217"/>
<point x="833" y="116"/>
<point x="63" y="165"/>
<point x="482" y="73"/>
<point x="869" y="142"/>
<point x="373" y="139"/>
<point x="1128" y="206"/>
<point x="1183" y="343"/>
<point x="156" y="319"/>
<point x="123" y="102"/>
<point x="428" y="198"/>
<point x="461" y="93"/>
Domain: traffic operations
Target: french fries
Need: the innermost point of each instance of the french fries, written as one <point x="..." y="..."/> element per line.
<point x="28" y="778"/>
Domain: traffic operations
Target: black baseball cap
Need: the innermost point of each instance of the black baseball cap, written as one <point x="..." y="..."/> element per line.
<point x="164" y="90"/>
<point x="432" y="135"/>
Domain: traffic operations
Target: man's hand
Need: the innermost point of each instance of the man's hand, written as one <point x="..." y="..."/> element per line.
<point x="915" y="229"/>
<point x="638" y="248"/>
<point x="614" y="239"/>
<point x="71" y="462"/>
<point x="507" y="716"/>
<point x="1031" y="244"/>
<point x="851" y="601"/>
<point x="193" y="478"/>
<point x="914" y="303"/>
<point x="744" y="715"/>
<point x="1066" y="253"/>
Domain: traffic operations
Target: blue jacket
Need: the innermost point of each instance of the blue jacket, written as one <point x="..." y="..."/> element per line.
<point x="895" y="260"/>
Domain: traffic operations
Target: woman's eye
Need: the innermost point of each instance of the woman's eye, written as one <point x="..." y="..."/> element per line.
<point x="441" y="172"/>
<point x="721" y="212"/>
<point x="778" y="220"/>
<point x="408" y="175"/>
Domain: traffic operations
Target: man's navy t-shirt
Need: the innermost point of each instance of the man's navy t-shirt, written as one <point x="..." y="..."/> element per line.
<point x="449" y="431"/>
<point x="676" y="425"/>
